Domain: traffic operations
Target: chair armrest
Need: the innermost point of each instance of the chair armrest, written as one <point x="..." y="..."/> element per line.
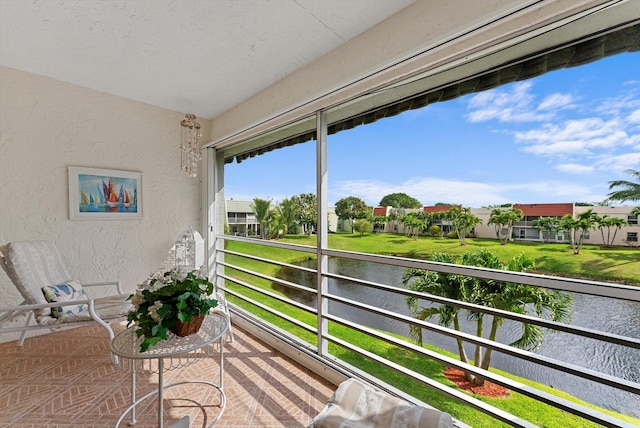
<point x="104" y="283"/>
<point x="7" y="313"/>
<point x="10" y="312"/>
<point x="31" y="307"/>
<point x="24" y="308"/>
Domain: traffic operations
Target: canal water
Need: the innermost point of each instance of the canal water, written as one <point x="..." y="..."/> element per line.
<point x="604" y="314"/>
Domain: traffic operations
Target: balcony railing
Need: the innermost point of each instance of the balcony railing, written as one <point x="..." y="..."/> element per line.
<point x="323" y="325"/>
<point x="241" y="221"/>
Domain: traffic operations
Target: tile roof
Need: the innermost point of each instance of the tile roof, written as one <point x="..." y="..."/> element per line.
<point x="545" y="210"/>
<point x="380" y="211"/>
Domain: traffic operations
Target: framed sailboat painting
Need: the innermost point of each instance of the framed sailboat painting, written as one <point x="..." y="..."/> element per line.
<point x="104" y="194"/>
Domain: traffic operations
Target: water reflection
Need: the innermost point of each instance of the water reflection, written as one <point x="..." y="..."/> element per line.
<point x="615" y="316"/>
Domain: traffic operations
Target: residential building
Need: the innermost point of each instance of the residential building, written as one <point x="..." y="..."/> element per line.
<point x="526" y="230"/>
<point x="627" y="235"/>
<point x="241" y="219"/>
<point x="444" y="224"/>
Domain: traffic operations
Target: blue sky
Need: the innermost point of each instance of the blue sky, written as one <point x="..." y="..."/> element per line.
<point x="560" y="137"/>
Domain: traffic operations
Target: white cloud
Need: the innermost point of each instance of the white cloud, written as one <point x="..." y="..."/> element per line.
<point x="619" y="162"/>
<point x="514" y="104"/>
<point x="558" y="148"/>
<point x="634" y="117"/>
<point x="556" y="101"/>
<point x="576" y="137"/>
<point x="429" y="190"/>
<point x="573" y="168"/>
<point x="617" y="105"/>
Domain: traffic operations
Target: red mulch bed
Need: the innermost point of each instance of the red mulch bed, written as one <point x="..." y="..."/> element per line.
<point x="488" y="389"/>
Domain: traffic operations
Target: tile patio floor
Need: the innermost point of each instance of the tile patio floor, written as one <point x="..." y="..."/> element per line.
<point x="65" y="379"/>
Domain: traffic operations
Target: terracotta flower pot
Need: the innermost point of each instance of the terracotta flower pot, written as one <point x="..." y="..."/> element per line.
<point x="188" y="328"/>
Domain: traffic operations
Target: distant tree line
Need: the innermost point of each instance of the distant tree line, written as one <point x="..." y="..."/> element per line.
<point x="299" y="214"/>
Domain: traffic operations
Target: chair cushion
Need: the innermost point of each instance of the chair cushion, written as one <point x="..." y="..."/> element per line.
<point x="32" y="265"/>
<point x="65" y="293"/>
<point x="355" y="404"/>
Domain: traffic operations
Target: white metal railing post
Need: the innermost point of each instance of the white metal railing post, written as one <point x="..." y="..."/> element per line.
<point x="208" y="207"/>
<point x="322" y="229"/>
<point x="216" y="214"/>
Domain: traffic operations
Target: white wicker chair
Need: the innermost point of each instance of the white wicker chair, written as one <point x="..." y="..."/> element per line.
<point x="32" y="265"/>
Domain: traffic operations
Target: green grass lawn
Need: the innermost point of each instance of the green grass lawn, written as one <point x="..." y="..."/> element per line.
<point x="619" y="264"/>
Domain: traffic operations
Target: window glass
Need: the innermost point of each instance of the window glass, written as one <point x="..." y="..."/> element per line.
<point x="557" y="138"/>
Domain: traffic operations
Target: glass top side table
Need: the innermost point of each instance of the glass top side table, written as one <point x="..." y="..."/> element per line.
<point x="174" y="353"/>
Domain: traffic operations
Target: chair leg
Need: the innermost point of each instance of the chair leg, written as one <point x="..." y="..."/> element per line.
<point x="92" y="311"/>
<point x="23" y="335"/>
<point x="224" y="308"/>
<point x="230" y="337"/>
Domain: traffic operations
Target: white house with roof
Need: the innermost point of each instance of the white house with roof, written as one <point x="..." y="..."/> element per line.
<point x="526" y="230"/>
<point x="242" y="221"/>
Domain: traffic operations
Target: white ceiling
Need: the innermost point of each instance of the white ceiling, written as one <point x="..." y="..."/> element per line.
<point x="200" y="56"/>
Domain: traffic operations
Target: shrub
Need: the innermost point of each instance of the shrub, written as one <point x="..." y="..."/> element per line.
<point x="435" y="231"/>
<point x="363" y="226"/>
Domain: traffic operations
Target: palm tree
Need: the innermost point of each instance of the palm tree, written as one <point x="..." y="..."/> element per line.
<point x="274" y="224"/>
<point x="261" y="208"/>
<point x="500" y="295"/>
<point x="609" y="223"/>
<point x="288" y="213"/>
<point x="439" y="284"/>
<point x="578" y="227"/>
<point x="630" y="191"/>
<point x="503" y="221"/>
<point x="546" y="225"/>
<point x="462" y="220"/>
<point x="393" y="218"/>
<point x="379" y="222"/>
<point x="414" y="223"/>
<point x="516" y="298"/>
<point x="495" y="214"/>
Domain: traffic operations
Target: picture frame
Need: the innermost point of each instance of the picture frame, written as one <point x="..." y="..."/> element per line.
<point x="104" y="194"/>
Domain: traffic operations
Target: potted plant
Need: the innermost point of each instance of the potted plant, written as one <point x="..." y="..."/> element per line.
<point x="176" y="300"/>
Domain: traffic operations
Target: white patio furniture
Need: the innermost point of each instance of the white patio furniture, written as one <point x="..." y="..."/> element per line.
<point x="53" y="299"/>
<point x="175" y="353"/>
<point x="356" y="404"/>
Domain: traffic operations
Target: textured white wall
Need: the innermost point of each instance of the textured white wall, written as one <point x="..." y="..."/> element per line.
<point x="47" y="125"/>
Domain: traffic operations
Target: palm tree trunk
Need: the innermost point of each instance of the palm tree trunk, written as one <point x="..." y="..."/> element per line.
<point x="486" y="360"/>
<point x="478" y="355"/>
<point x="463" y="354"/>
<point x="461" y="351"/>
